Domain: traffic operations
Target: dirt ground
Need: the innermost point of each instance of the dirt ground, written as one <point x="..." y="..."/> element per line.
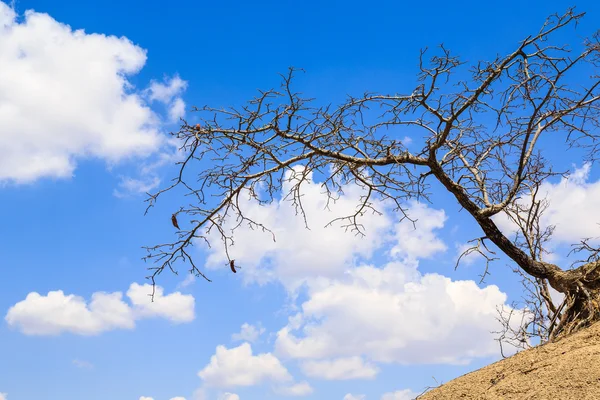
<point x="565" y="370"/>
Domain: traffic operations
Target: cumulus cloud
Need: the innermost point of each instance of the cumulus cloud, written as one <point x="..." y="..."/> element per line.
<point x="65" y="96"/>
<point x="239" y="367"/>
<point x="350" y="396"/>
<point x="169" y="93"/>
<point x="298" y="389"/>
<point x="151" y="398"/>
<point x="419" y="241"/>
<point x="340" y="369"/>
<point x="229" y="396"/>
<point x="359" y="311"/>
<point x="176" y="110"/>
<point x="405" y="394"/>
<point x="394" y="314"/>
<point x="57" y="313"/>
<point x="176" y="307"/>
<point x="3" y="396"/>
<point x="200" y="394"/>
<point x="248" y="333"/>
<point x="299" y="255"/>
<point x="571" y="200"/>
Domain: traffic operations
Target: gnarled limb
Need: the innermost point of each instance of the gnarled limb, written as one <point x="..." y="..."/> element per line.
<point x="481" y="143"/>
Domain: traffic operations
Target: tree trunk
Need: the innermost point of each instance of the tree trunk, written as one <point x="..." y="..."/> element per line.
<point x="581" y="305"/>
<point x="580" y="286"/>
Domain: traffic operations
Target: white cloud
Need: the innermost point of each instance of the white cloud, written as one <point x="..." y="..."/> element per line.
<point x="3" y="396"/>
<point x="239" y="367"/>
<point x="248" y="333"/>
<point x="169" y="93"/>
<point x="200" y="394"/>
<point x="151" y="398"/>
<point x="571" y="203"/>
<point x="176" y="110"/>
<point x="176" y="307"/>
<point x="300" y="255"/>
<point x="187" y="281"/>
<point x="65" y="96"/>
<point x="394" y="314"/>
<point x="298" y="389"/>
<point x="130" y="186"/>
<point x="166" y="92"/>
<point x="468" y="257"/>
<point x="571" y="200"/>
<point x="405" y="394"/>
<point x="229" y="396"/>
<point x="147" y="178"/>
<point x="389" y="313"/>
<point x="350" y="396"/>
<point x="419" y="240"/>
<point x="340" y="369"/>
<point x="57" y="313"/>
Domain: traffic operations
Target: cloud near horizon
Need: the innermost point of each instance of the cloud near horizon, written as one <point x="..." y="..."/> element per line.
<point x="366" y="300"/>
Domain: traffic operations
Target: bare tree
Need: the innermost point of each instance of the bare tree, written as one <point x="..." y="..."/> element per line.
<point x="481" y="128"/>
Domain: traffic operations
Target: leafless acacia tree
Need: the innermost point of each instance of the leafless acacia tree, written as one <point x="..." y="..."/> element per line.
<point x="482" y="129"/>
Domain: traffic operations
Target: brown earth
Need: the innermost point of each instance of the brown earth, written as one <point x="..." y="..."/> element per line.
<point x="565" y="370"/>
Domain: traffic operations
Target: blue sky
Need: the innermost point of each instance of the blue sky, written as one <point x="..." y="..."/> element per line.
<point x="88" y="91"/>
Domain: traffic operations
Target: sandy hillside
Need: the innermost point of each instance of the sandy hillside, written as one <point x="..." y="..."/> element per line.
<point x="566" y="370"/>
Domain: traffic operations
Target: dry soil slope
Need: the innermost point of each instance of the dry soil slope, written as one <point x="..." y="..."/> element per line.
<point x="565" y="370"/>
